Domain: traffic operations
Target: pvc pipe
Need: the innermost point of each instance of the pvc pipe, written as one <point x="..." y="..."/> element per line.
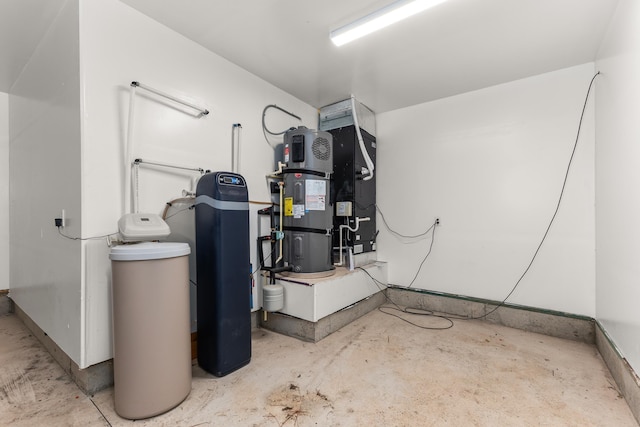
<point x="136" y="170"/>
<point x="235" y="147"/>
<point x="343" y="226"/>
<point x="280" y="255"/>
<point x="203" y="111"/>
<point x="128" y="149"/>
<point x="363" y="148"/>
<point x="167" y="165"/>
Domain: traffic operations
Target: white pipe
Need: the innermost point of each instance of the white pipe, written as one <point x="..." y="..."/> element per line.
<point x="128" y="149"/>
<point x="276" y="174"/>
<point x="280" y="255"/>
<point x="235" y="147"/>
<point x="136" y="170"/>
<point x="168" y="165"/>
<point x="363" y="148"/>
<point x="343" y="226"/>
<point x="203" y="111"/>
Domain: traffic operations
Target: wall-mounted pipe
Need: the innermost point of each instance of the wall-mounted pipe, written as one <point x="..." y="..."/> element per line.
<point x="203" y="111"/>
<point x="131" y="167"/>
<point x="168" y="165"/>
<point x="128" y="149"/>
<point x="139" y="162"/>
<point x="235" y="147"/>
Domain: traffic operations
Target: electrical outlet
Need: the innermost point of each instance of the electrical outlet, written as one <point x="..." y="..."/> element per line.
<point x="437" y="221"/>
<point x="60" y="222"/>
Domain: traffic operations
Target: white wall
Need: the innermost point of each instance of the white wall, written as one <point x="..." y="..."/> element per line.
<point x="44" y="151"/>
<point x="119" y="45"/>
<point x="490" y="165"/>
<point x="617" y="179"/>
<point x="4" y="190"/>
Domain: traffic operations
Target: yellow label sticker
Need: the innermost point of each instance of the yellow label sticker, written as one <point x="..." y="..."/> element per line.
<point x="288" y="206"/>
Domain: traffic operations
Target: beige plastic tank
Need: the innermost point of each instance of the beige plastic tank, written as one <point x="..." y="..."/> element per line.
<point x="151" y="331"/>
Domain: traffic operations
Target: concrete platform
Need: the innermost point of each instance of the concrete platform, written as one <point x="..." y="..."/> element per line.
<point x="315" y="331"/>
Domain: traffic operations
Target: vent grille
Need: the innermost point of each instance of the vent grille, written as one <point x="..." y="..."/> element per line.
<point x="321" y="148"/>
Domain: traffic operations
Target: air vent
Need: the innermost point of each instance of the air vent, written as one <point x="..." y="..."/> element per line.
<point x="321" y="148"/>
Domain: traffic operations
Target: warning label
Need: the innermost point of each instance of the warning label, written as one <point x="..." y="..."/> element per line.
<point x="288" y="206"/>
<point x="315" y="194"/>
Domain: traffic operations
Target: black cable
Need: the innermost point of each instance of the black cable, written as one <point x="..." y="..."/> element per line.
<point x="422" y="313"/>
<point x="433" y="238"/>
<point x="262" y="265"/>
<point x="555" y="213"/>
<point x="101" y="413"/>
<point x="84" y="238"/>
<point x="417" y="311"/>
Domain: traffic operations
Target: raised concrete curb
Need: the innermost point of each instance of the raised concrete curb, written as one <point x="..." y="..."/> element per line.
<point x="624" y="376"/>
<point x="315" y="331"/>
<point x="552" y="323"/>
<point x="6" y="304"/>
<point x="91" y="379"/>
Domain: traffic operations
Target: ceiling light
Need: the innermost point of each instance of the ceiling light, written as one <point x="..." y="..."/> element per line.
<point x="396" y="11"/>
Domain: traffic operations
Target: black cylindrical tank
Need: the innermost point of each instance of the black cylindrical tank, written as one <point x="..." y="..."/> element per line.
<point x="223" y="273"/>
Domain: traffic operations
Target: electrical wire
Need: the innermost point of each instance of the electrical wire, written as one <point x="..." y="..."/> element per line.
<point x="262" y="265"/>
<point x="266" y="130"/>
<point x="84" y="238"/>
<point x="555" y="213"/>
<point x="405" y="236"/>
<point x="407" y="310"/>
<point x="433" y="238"/>
<point x="431" y="229"/>
<point x="179" y="211"/>
<point x="421" y="312"/>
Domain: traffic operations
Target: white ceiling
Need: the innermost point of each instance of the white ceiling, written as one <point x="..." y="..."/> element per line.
<point x="456" y="47"/>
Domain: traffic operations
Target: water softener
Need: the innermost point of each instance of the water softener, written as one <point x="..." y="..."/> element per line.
<point x="223" y="273"/>
<point x="308" y="212"/>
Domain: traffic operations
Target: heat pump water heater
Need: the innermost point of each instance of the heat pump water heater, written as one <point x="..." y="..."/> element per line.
<point x="308" y="211"/>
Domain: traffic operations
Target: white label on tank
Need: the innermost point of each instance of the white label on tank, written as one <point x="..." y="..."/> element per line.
<point x="298" y="211"/>
<point x="358" y="249"/>
<point x="315" y="194"/>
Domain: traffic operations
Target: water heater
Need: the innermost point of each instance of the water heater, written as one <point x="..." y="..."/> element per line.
<point x="308" y="211"/>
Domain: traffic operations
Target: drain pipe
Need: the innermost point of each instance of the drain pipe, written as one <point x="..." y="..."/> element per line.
<point x="354" y="229"/>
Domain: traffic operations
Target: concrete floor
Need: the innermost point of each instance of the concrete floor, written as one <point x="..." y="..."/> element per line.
<point x="376" y="371"/>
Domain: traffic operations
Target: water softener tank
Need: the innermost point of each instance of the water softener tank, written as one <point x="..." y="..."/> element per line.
<point x="308" y="212"/>
<point x="223" y="273"/>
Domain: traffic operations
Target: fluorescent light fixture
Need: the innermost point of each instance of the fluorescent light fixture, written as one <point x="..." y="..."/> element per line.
<point x="396" y="11"/>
